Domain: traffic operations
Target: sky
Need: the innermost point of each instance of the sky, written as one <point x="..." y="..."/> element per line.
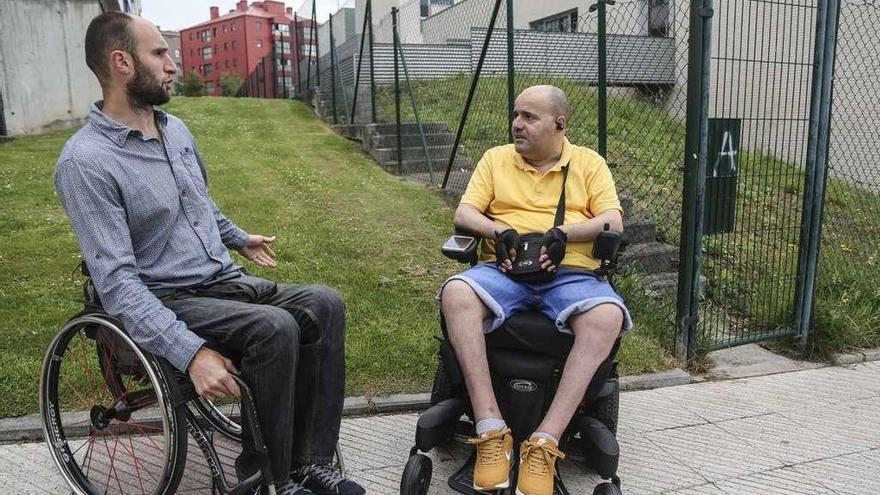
<point x="175" y="15"/>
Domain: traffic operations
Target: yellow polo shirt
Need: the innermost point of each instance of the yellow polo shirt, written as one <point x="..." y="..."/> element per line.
<point x="507" y="189"/>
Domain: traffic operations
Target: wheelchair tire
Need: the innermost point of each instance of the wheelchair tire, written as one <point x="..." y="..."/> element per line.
<point x="442" y="388"/>
<point x="416" y="476"/>
<point x="225" y="418"/>
<point x="607" y="489"/>
<point x="99" y="414"/>
<point x="607" y="409"/>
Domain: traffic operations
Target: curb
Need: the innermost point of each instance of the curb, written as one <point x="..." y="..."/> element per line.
<point x="29" y="428"/>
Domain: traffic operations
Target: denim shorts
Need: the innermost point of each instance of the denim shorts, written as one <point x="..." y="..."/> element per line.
<point x="571" y="293"/>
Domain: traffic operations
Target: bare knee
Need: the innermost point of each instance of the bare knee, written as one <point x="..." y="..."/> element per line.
<point x="601" y="322"/>
<point x="458" y="297"/>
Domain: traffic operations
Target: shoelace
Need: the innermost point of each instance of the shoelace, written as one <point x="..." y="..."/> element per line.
<point x="490" y="446"/>
<point x="325" y="474"/>
<point x="538" y="452"/>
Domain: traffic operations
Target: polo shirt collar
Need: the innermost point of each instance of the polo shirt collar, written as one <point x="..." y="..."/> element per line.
<point x="115" y="131"/>
<point x="564" y="158"/>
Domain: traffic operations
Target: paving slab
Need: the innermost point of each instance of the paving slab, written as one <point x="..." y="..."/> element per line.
<point x="809" y="432"/>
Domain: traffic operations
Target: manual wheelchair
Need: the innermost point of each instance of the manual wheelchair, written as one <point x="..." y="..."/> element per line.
<point x="526" y="357"/>
<point x="116" y="418"/>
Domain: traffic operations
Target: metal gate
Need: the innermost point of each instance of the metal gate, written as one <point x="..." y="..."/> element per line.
<point x="757" y="147"/>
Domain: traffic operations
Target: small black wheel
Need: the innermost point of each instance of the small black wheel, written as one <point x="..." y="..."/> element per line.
<point x="607" y="489"/>
<point x="416" y="475"/>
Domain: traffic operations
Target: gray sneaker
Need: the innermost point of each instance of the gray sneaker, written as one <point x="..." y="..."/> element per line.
<point x="291" y="487"/>
<point x="327" y="480"/>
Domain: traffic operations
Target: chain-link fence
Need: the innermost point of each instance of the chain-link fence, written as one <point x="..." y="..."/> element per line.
<point x="457" y="67"/>
<point x="847" y="303"/>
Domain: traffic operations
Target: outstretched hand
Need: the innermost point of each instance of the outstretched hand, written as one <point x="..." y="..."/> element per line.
<point x="258" y="249"/>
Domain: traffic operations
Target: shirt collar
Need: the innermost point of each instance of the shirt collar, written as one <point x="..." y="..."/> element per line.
<point x="564" y="159"/>
<point x="115" y="131"/>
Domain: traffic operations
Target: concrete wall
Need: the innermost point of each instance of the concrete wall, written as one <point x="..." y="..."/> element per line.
<point x="44" y="81"/>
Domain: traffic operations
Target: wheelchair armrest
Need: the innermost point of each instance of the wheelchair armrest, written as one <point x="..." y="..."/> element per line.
<point x="607" y="248"/>
<point x="461" y="247"/>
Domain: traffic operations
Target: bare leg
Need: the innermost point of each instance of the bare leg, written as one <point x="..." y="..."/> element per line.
<point x="594" y="334"/>
<point x="464" y="313"/>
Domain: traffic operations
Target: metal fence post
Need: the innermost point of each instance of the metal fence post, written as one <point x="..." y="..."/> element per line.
<point x="296" y="45"/>
<point x="511" y="73"/>
<point x="274" y="66"/>
<point x="602" y="34"/>
<point x="397" y="94"/>
<point x="333" y="71"/>
<point x="827" y="18"/>
<point x="3" y="130"/>
<point x="412" y="97"/>
<point x="696" y="144"/>
<point x="317" y="43"/>
<point x="372" y="66"/>
<point x="357" y="77"/>
<point x="470" y="96"/>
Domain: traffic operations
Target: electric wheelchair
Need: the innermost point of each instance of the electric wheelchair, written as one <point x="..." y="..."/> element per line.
<point x="526" y="356"/>
<point x="116" y="418"/>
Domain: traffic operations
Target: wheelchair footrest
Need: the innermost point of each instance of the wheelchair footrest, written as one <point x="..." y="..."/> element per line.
<point x="462" y="481"/>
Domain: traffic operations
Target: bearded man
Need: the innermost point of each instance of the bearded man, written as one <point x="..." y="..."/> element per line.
<point x="155" y="243"/>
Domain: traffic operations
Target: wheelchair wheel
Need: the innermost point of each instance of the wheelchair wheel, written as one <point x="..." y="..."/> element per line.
<point x="607" y="409"/>
<point x="416" y="476"/>
<point x="107" y="416"/>
<point x="224" y="416"/>
<point x="443" y="388"/>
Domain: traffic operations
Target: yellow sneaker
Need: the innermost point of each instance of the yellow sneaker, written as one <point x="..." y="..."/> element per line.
<point x="494" y="456"/>
<point x="537" y="466"/>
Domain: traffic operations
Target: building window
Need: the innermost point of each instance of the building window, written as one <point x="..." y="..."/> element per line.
<point x="209" y="87"/>
<point x="233" y="26"/>
<point x="226" y="46"/>
<point x="234" y="44"/>
<point x="215" y="32"/>
<point x="206" y="53"/>
<point x="192" y="52"/>
<point x="190" y="35"/>
<point x="235" y="62"/>
<point x="177" y="53"/>
<point x="226" y="63"/>
<point x="259" y="24"/>
<point x="259" y="43"/>
<point x="565" y="22"/>
<point x="224" y="27"/>
<point x="208" y="69"/>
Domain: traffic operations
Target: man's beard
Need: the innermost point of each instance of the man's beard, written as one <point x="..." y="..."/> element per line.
<point x="145" y="90"/>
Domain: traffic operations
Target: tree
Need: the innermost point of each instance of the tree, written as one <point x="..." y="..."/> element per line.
<point x="230" y="84"/>
<point x="193" y="85"/>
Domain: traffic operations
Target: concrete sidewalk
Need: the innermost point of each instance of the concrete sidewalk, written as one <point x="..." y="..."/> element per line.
<point x="807" y="432"/>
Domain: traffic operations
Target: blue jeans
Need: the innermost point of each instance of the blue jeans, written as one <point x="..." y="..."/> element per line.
<point x="572" y="292"/>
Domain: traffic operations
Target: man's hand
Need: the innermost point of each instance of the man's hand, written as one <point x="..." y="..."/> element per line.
<point x="210" y="373"/>
<point x="505" y="249"/>
<point x="258" y="249"/>
<point x="553" y="249"/>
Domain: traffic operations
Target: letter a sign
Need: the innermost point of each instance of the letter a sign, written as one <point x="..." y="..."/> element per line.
<point x="722" y="170"/>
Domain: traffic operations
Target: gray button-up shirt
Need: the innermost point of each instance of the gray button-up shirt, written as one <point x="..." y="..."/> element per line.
<point x="141" y="212"/>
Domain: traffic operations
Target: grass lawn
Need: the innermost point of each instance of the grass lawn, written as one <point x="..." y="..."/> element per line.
<point x="751" y="272"/>
<point x="273" y="169"/>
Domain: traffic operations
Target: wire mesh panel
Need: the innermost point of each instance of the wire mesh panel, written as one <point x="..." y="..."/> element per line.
<point x="762" y="76"/>
<point x="847" y="304"/>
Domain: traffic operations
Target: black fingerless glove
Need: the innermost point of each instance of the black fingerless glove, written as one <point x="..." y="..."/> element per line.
<point x="554" y="242"/>
<point x="504" y="242"/>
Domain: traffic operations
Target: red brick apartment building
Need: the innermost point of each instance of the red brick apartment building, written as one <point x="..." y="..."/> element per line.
<point x="251" y="41"/>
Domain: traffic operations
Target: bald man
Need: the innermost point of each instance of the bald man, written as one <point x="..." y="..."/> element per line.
<point x="515" y="189"/>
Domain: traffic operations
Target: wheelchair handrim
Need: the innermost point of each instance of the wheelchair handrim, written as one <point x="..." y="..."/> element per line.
<point x="54" y="429"/>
